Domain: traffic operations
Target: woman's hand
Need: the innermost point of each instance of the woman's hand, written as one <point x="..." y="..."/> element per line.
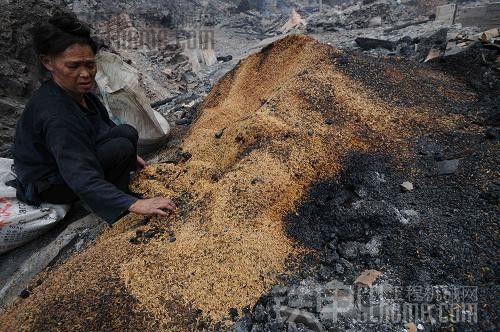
<point x="159" y="205"/>
<point x="140" y="163"/>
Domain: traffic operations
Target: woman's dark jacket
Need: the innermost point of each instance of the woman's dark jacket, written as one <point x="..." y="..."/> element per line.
<point x="55" y="143"/>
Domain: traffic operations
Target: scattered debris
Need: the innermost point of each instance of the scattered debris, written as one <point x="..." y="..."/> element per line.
<point x="24" y="294"/>
<point x="233" y="313"/>
<point x="405" y="25"/>
<point x="433" y="53"/>
<point x="143" y="236"/>
<point x="151" y="233"/>
<point x="256" y="180"/>
<point x="446" y="13"/>
<point x="294" y="22"/>
<point x="411" y="327"/>
<point x="411" y="216"/>
<point x="367" y="278"/>
<point x="226" y="58"/>
<point x="371" y="43"/>
<point x="301" y="316"/>
<point x="488" y="35"/>
<point x="431" y="46"/>
<point x="406" y="186"/>
<point x="447" y="167"/>
<point x="375" y="22"/>
<point x="183" y="122"/>
<point x="218" y="134"/>
<point x="134" y="240"/>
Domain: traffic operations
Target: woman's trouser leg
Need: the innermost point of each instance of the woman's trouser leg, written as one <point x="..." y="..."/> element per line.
<point x="118" y="157"/>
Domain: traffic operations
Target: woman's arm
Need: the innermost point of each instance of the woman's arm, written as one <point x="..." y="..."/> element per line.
<point x="69" y="138"/>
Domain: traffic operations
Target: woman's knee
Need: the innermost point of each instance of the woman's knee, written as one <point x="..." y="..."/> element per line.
<point x="126" y="131"/>
<point x="124" y="147"/>
<point x="116" y="150"/>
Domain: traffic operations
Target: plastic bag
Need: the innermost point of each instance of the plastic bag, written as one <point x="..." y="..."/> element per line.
<point x="20" y="222"/>
<point x="125" y="101"/>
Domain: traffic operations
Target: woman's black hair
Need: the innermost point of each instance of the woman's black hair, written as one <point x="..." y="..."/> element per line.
<point x="61" y="31"/>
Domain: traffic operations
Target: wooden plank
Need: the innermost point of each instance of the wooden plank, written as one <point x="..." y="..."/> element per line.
<point x="446" y="13"/>
<point x="490" y="34"/>
<point x="485" y="17"/>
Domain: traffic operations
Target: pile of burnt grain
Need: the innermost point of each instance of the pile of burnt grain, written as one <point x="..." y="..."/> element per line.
<point x="441" y="235"/>
<point x="282" y="120"/>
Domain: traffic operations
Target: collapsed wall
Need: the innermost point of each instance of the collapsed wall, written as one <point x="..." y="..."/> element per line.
<point x="19" y="71"/>
<point x="283" y="119"/>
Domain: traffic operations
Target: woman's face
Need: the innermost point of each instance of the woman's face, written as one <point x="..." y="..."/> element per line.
<point x="74" y="69"/>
